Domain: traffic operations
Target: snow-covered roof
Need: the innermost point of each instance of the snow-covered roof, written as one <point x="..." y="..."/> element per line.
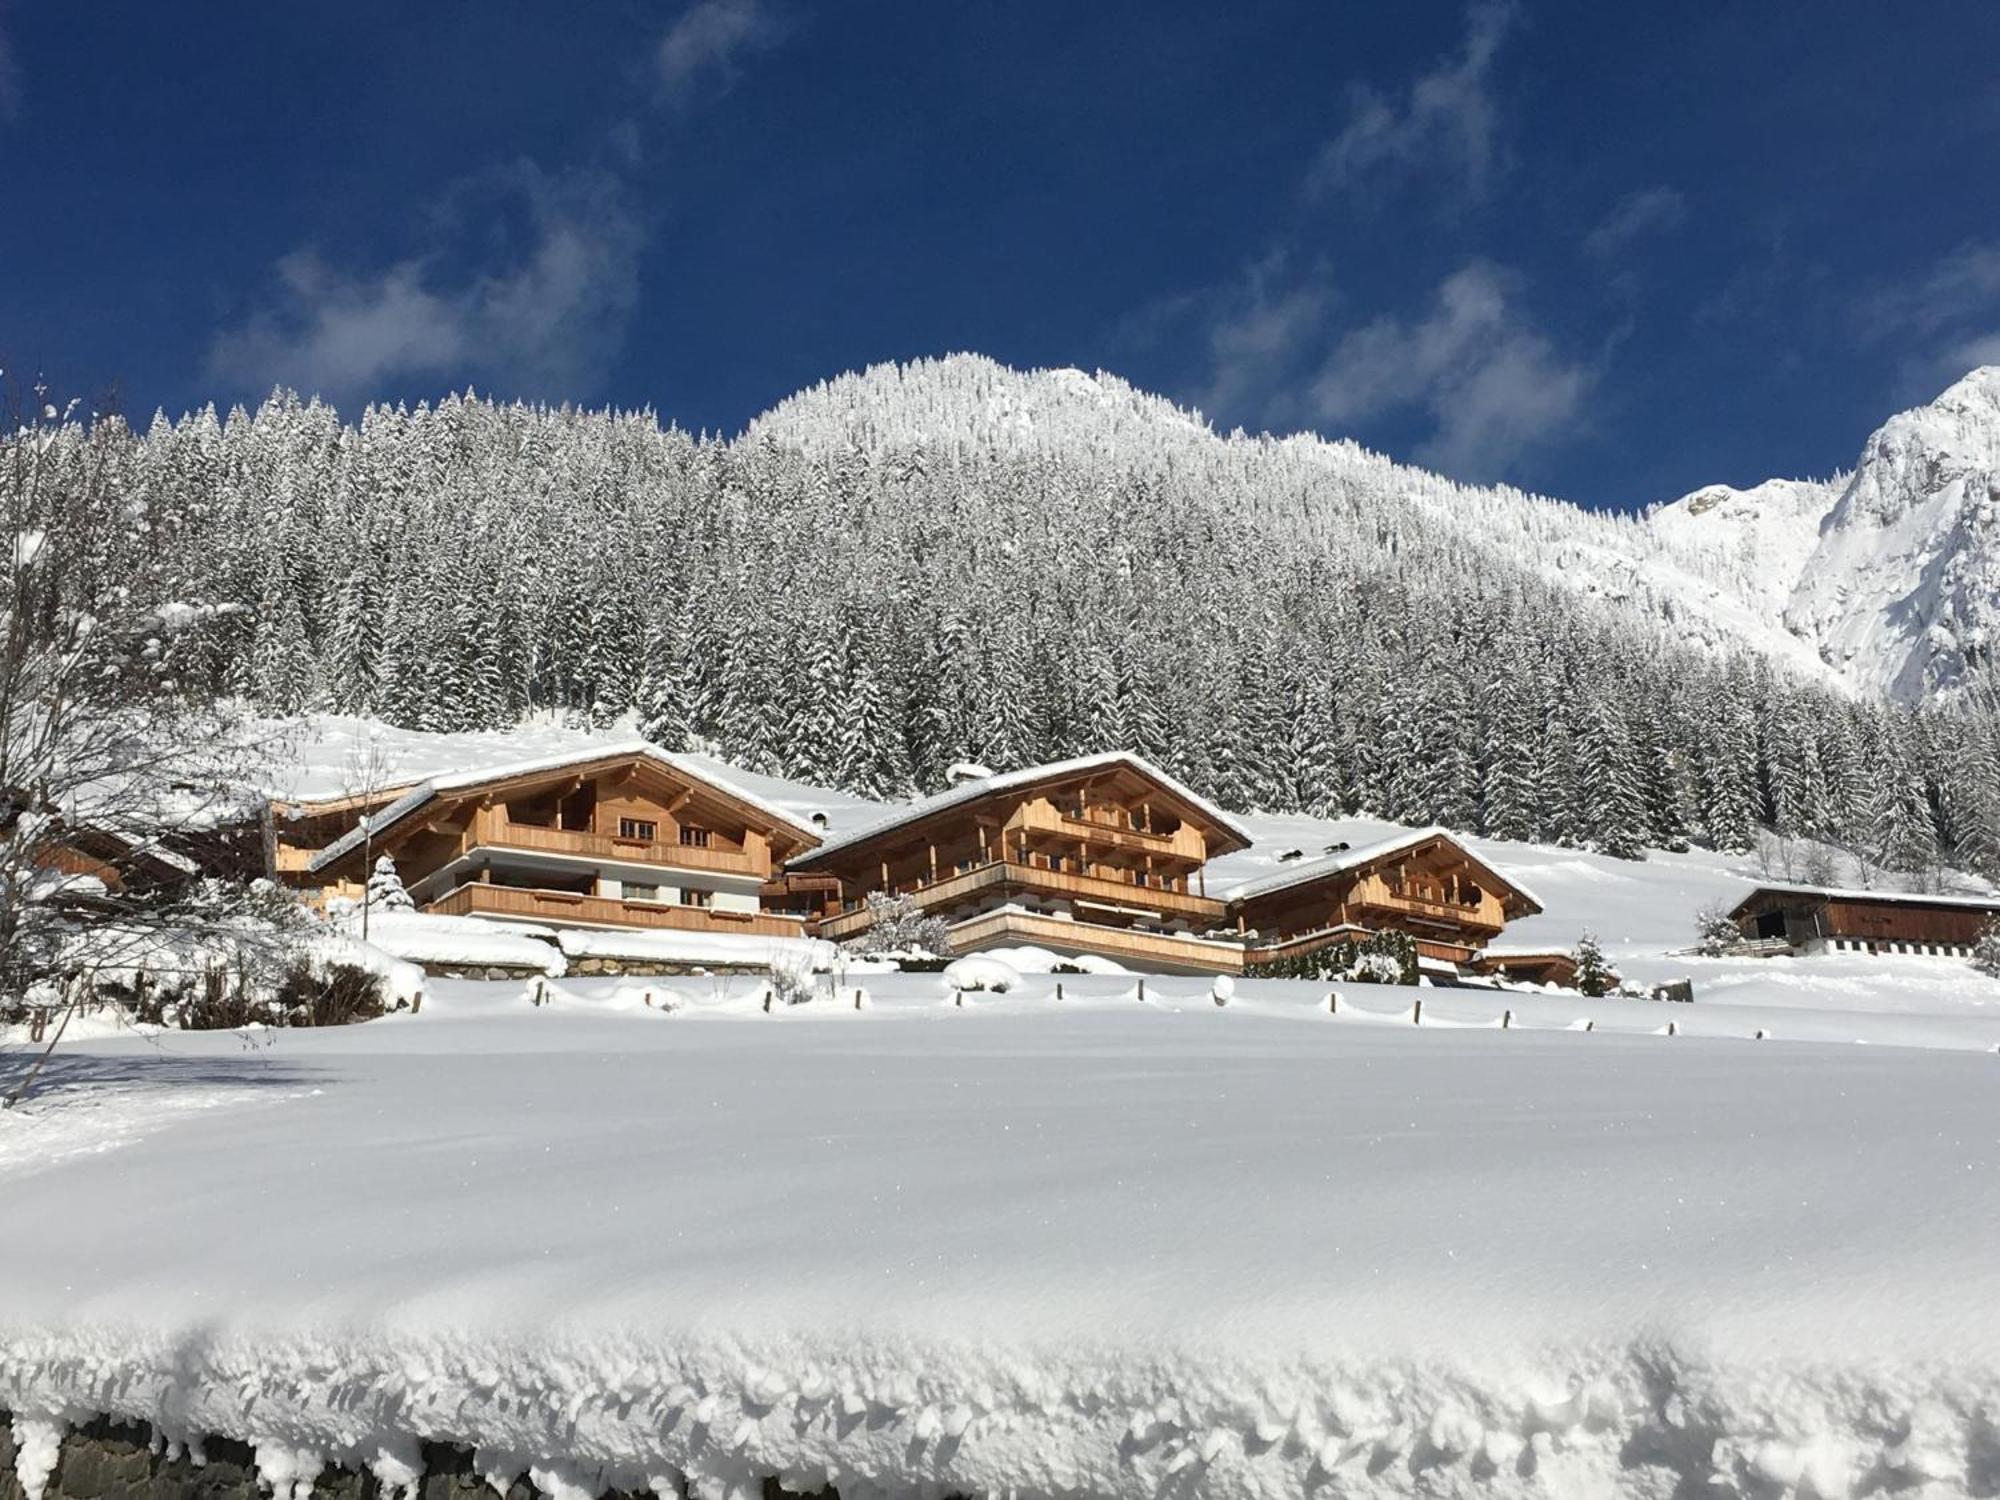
<point x="1839" y="893"/>
<point x="1367" y="854"/>
<point x="985" y="786"/>
<point x="434" y="786"/>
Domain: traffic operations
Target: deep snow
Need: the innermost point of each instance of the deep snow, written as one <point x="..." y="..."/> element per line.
<point x="1092" y="1246"/>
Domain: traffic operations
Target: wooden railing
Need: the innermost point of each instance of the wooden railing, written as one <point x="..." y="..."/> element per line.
<point x="1483" y="917"/>
<point x="950" y="889"/>
<point x="1312" y="942"/>
<point x="1183" y="843"/>
<point x="473" y="899"/>
<point x="1152" y="948"/>
<point x="499" y="834"/>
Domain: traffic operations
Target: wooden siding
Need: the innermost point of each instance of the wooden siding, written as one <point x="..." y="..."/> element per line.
<point x="1002" y="876"/>
<point x="489" y="830"/>
<point x="568" y="908"/>
<point x="1853" y="918"/>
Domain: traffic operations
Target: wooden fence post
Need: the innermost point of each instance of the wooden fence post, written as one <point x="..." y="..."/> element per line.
<point x="1417" y="1011"/>
<point x="1506" y="1020"/>
<point x="1333" y="1002"/>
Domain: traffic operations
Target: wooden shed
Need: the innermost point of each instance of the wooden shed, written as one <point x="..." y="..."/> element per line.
<point x="1817" y="919"/>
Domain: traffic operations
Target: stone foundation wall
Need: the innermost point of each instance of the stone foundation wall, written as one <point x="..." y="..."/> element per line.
<point x="107" y="1460"/>
<point x="653" y="968"/>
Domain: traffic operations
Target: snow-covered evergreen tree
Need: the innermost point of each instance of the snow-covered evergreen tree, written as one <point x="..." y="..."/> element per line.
<point x="385" y="887"/>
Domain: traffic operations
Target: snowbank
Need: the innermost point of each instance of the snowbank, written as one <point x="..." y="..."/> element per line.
<point x="1082" y="1248"/>
<point x="697" y="948"/>
<point x="425" y="938"/>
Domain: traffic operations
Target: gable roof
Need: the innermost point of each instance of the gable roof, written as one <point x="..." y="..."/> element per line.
<point x="1837" y="893"/>
<point x="1368" y="854"/>
<point x="967" y="792"/>
<point x="424" y="792"/>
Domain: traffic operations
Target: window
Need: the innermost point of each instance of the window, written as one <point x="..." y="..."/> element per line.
<point x="694" y="838"/>
<point x="638" y="828"/>
<point x="697" y="898"/>
<point x="635" y="892"/>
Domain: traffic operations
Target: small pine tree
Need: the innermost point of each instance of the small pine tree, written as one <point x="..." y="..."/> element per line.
<point x="385" y="888"/>
<point x="1593" y="978"/>
<point x="1986" y="949"/>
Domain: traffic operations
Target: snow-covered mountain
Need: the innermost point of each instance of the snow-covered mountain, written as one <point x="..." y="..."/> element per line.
<point x="1885" y="580"/>
<point x="1890" y="574"/>
<point x="1903" y="589"/>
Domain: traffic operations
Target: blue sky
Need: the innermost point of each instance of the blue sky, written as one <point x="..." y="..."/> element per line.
<point x="1605" y="252"/>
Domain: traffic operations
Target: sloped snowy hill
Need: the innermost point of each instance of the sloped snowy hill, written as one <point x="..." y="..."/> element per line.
<point x="1903" y="589"/>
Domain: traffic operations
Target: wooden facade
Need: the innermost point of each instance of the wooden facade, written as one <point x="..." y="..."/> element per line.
<point x="1100" y="855"/>
<point x="619" y="838"/>
<point x="1426" y="884"/>
<point x="1813" y="919"/>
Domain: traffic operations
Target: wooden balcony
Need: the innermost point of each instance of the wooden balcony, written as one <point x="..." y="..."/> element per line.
<point x="1486" y="918"/>
<point x="497" y="833"/>
<point x="570" y="908"/>
<point x="1312" y="942"/>
<point x="951" y="889"/>
<point x="1144" y="950"/>
<point x="1184" y="843"/>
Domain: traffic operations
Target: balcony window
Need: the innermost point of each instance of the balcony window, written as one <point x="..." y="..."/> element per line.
<point x="635" y="892"/>
<point x="694" y="838"/>
<point x="697" y="898"/>
<point x="638" y="828"/>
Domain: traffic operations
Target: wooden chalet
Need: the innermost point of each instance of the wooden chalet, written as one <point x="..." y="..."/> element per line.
<point x="1100" y="855"/>
<point x="121" y="864"/>
<point x="1820" y="919"/>
<point x="621" y="836"/>
<point x="1426" y="884"/>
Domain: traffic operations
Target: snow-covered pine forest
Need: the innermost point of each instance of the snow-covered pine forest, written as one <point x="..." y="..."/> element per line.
<point x="952" y="561"/>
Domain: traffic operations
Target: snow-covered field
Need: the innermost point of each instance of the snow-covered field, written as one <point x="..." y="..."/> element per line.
<point x="1095" y="1235"/>
<point x="1093" y="1246"/>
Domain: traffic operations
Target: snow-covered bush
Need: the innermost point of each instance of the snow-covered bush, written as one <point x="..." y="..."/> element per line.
<point x="1593" y="976"/>
<point x="1380" y="958"/>
<point x="1715" y="929"/>
<point x="1986" y="949"/>
<point x="980" y="973"/>
<point x="897" y="925"/>
<point x="789" y="981"/>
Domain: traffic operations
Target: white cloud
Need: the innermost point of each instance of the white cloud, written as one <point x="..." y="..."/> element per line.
<point x="1492" y="383"/>
<point x="1634" y="216"/>
<point x="1965" y="284"/>
<point x="1257" y="331"/>
<point x="544" y="318"/>
<point x="709" y="36"/>
<point x="1947" y="321"/>
<point x="1970" y="355"/>
<point x="1449" y="119"/>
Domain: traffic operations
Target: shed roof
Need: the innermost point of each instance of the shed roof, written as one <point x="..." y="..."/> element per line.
<point x="1899" y="898"/>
